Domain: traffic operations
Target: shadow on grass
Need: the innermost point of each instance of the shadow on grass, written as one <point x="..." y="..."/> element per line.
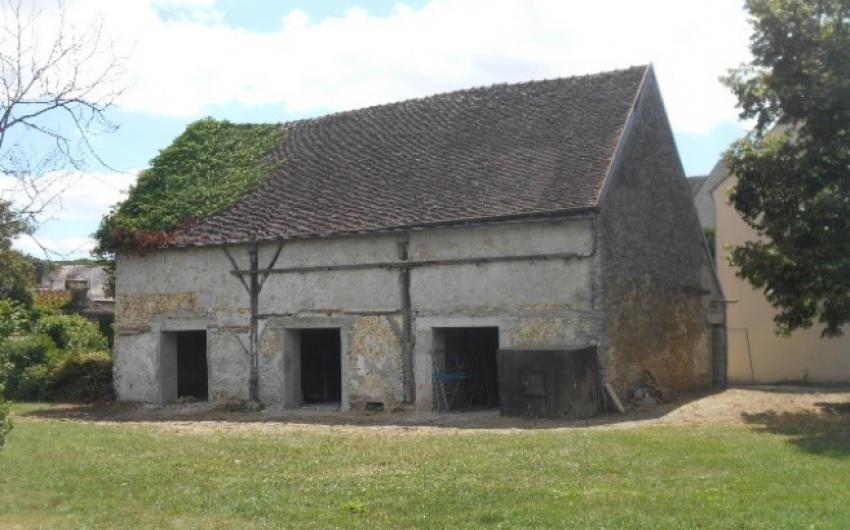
<point x="824" y="433"/>
<point x="206" y="412"/>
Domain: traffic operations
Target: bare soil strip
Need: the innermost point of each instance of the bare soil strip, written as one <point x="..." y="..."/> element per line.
<point x="731" y="407"/>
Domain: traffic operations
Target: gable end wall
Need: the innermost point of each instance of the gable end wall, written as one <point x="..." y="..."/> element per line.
<point x="654" y="261"/>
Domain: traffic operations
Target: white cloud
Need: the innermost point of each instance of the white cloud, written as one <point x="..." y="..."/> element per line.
<point x="69" y="196"/>
<point x="195" y="4"/>
<point x="81" y="201"/>
<point x="186" y="58"/>
<point x="183" y="64"/>
<point x="92" y="194"/>
<point x="57" y="248"/>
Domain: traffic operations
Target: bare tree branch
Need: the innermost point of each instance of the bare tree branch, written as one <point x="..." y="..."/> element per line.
<point x="57" y="82"/>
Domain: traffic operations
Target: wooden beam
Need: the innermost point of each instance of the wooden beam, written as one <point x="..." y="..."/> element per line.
<point x="614" y="399"/>
<point x="420" y="263"/>
<point x="406" y="322"/>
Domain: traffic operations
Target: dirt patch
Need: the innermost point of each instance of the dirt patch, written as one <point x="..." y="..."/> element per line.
<point x="739" y="405"/>
<point x="731" y="407"/>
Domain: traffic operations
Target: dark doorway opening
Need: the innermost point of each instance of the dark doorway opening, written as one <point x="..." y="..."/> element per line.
<point x="321" y="366"/>
<point x="469" y="376"/>
<point x="192" y="365"/>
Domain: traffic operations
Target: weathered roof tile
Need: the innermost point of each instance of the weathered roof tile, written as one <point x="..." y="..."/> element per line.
<point x="478" y="154"/>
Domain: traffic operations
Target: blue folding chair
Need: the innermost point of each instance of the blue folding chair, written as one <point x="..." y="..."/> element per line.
<point x="449" y="384"/>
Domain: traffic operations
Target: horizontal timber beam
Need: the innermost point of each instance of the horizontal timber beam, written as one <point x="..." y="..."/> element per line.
<point x="420" y="263"/>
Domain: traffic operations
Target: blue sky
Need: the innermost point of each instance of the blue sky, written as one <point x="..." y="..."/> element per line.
<point x="272" y="61"/>
<point x="264" y="16"/>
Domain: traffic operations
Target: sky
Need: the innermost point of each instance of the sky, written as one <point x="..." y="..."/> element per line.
<point x="278" y="60"/>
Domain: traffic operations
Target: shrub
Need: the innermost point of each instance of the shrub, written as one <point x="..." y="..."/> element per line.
<point x="33" y="382"/>
<point x="72" y="333"/>
<point x="14" y="318"/>
<point x="5" y="421"/>
<point x="57" y="362"/>
<point x="78" y="377"/>
<point x="81" y="377"/>
<point x="106" y="325"/>
<point x="21" y="353"/>
<point x="49" y="301"/>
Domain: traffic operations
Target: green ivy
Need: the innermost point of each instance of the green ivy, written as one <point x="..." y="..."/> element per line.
<point x="206" y="169"/>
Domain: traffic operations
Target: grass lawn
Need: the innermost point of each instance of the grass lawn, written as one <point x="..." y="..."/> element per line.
<point x="71" y="474"/>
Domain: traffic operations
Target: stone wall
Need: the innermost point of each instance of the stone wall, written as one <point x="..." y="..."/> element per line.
<point x="656" y="273"/>
<point x="544" y="302"/>
<point x="651" y="328"/>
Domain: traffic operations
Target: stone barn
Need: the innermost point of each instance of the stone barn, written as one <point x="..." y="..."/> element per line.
<point x="401" y="243"/>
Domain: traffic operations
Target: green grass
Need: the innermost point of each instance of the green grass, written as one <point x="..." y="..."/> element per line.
<point x="67" y="474"/>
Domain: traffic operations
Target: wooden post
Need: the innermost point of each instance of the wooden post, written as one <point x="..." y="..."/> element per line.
<point x="254" y="345"/>
<point x="407" y="342"/>
<point x="253" y="286"/>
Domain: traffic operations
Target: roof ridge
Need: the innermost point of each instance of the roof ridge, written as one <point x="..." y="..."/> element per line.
<point x="478" y="88"/>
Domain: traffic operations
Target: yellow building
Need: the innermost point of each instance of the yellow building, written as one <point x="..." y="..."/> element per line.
<point x="755" y="353"/>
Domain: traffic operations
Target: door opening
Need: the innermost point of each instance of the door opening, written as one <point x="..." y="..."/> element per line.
<point x="192" y="375"/>
<point x="321" y="366"/>
<point x="465" y="368"/>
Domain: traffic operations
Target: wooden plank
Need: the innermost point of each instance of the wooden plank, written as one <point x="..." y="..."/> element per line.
<point x="614" y="399"/>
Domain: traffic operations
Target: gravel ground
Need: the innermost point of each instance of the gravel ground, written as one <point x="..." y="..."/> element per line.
<point x="730" y="407"/>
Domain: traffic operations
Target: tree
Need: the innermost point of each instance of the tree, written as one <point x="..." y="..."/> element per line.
<point x="15" y="280"/>
<point x="793" y="169"/>
<point x="16" y="270"/>
<point x="57" y="81"/>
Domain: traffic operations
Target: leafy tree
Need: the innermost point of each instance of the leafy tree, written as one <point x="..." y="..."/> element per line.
<point x="207" y="168"/>
<point x="793" y="170"/>
<point x="17" y="272"/>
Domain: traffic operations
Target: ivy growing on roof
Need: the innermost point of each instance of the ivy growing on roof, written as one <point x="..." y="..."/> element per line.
<point x="210" y="166"/>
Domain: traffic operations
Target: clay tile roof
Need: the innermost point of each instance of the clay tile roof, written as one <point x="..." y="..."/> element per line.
<point x="502" y="151"/>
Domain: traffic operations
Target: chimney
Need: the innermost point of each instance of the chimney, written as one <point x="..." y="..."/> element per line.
<point x="79" y="288"/>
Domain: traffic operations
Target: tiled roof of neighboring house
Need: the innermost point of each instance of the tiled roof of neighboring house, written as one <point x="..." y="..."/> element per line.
<point x="55" y="280"/>
<point x="484" y="153"/>
<point x="696" y="183"/>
